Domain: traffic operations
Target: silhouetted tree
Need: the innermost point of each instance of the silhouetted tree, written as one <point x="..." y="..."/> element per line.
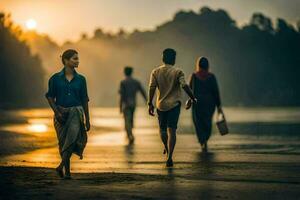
<point x="98" y="33"/>
<point x="121" y="33"/>
<point x="22" y="75"/>
<point x="262" y="22"/>
<point x="84" y="36"/>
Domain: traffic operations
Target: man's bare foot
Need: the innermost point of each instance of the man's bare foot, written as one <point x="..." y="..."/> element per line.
<point x="60" y="172"/>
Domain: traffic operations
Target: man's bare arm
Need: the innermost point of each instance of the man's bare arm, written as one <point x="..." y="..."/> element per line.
<point x="143" y="92"/>
<point x="151" y="93"/>
<point x="189" y="92"/>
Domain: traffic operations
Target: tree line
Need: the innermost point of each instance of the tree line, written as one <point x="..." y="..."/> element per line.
<point x="256" y="64"/>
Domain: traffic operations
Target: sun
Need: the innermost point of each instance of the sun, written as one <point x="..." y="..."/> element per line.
<point x="31" y="24"/>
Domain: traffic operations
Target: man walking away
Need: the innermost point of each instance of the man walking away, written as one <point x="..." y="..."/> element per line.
<point x="128" y="90"/>
<point x="169" y="80"/>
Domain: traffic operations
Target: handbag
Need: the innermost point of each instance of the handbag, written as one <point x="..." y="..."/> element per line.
<point x="222" y="124"/>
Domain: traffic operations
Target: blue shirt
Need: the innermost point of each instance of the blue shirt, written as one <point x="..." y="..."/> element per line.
<point x="68" y="93"/>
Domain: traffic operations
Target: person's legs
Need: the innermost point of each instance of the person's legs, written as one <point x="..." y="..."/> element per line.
<point x="162" y="118"/>
<point x="205" y="126"/>
<point x="132" y="123"/>
<point x="202" y="126"/>
<point x="66" y="162"/>
<point x="208" y="126"/>
<point x="199" y="124"/>
<point x="202" y="132"/>
<point x="173" y="117"/>
<point x="164" y="139"/>
<point x="61" y="165"/>
<point x="171" y="142"/>
<point x="59" y="169"/>
<point x="132" y="110"/>
<point x="128" y="123"/>
<point x="58" y="128"/>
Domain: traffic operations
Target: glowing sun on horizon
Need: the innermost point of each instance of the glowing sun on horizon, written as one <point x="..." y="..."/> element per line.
<point x="31" y="24"/>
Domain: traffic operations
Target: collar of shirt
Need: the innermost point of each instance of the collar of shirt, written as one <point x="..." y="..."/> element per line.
<point x="62" y="73"/>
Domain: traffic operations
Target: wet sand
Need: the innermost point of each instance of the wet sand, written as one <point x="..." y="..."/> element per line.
<point x="42" y="183"/>
<point x="237" y="167"/>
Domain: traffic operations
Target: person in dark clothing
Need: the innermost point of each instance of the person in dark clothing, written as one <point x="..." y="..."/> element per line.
<point x="68" y="97"/>
<point x="205" y="88"/>
<point x="128" y="90"/>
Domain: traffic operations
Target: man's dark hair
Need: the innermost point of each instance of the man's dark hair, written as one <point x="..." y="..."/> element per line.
<point x="203" y="63"/>
<point x="68" y="54"/>
<point x="169" y="56"/>
<point x="128" y="71"/>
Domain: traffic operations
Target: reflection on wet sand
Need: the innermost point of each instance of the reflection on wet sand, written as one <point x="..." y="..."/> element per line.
<point x="206" y="160"/>
<point x="30" y="128"/>
<point x="108" y="150"/>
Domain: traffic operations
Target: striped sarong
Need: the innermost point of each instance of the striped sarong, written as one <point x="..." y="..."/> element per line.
<point x="71" y="134"/>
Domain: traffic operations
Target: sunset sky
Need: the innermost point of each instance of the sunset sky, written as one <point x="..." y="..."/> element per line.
<point x="67" y="19"/>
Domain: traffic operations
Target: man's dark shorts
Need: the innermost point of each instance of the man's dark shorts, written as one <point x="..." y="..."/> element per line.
<point x="168" y="119"/>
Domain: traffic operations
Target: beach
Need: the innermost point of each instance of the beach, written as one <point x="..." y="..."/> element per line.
<point x="256" y="163"/>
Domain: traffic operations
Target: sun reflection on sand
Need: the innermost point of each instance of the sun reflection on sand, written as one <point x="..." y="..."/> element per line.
<point x="37" y="128"/>
<point x="31" y="128"/>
